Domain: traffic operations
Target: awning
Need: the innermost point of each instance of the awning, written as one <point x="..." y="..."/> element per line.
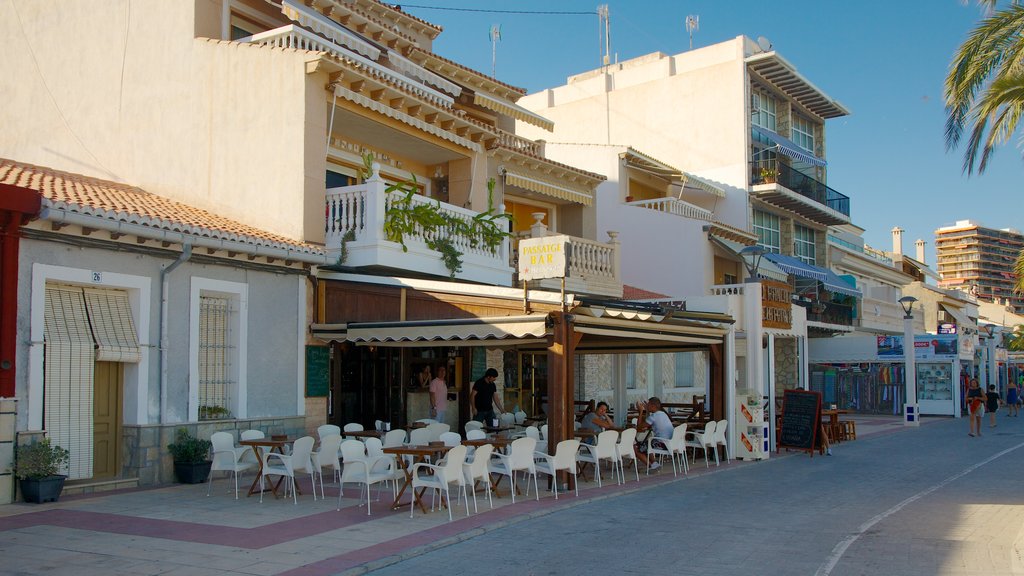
<point x="640" y="161"/>
<point x="451" y="332"/>
<point x="766" y="269"/>
<point x="835" y="283"/>
<point x="797" y="267"/>
<point x="692" y="181"/>
<point x="788" y="147"/>
<point x="514" y="110"/>
<point x="962" y="320"/>
<point x="548" y="188"/>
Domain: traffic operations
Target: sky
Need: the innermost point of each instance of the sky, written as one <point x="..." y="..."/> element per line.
<point x="884" y="60"/>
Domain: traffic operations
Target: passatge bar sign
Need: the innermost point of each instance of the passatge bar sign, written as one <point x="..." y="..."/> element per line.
<point x="543" y="257"/>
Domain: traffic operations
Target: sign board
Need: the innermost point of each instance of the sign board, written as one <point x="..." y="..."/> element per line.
<point x="801" y="420"/>
<point x="926" y="347"/>
<point x="543" y="257"/>
<point x="947" y="328"/>
<point x="318" y="360"/>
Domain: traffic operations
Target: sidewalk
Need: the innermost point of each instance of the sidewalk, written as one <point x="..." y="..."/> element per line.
<point x="177" y="529"/>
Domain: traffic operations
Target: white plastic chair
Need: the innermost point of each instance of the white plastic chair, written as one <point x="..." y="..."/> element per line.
<point x="352" y="427"/>
<point x="419" y="437"/>
<point x="474" y="425"/>
<point x="451" y="438"/>
<point x="375" y="452"/>
<point x="674" y="446"/>
<point x="477" y="469"/>
<point x="624" y="451"/>
<point x="476" y="435"/>
<point x="427" y="421"/>
<point x="451" y="471"/>
<point x="704" y="441"/>
<point x="519" y="459"/>
<point x="394" y="438"/>
<point x="603" y="449"/>
<point x="327" y="430"/>
<point x="227" y="458"/>
<point x="520" y="418"/>
<point x="544" y="433"/>
<point x="359" y="468"/>
<point x="248" y="455"/>
<point x="285" y="465"/>
<point x="436" y="429"/>
<point x="328" y="455"/>
<point x="721" y="440"/>
<point x="564" y="459"/>
<point x="302" y="460"/>
<point x="507" y="419"/>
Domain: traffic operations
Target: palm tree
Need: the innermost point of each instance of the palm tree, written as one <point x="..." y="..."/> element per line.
<point x="1015" y="339"/>
<point x="984" y="89"/>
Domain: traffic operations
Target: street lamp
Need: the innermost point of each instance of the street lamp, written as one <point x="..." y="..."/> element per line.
<point x="754" y="253"/>
<point x="911" y="416"/>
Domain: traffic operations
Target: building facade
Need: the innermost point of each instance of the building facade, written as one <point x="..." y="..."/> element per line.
<point x="980" y="260"/>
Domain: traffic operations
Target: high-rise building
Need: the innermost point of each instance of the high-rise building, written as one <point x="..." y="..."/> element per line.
<point x="980" y="260"/>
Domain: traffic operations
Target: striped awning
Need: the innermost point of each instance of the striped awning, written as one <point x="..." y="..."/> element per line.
<point x="451" y="332"/>
<point x="788" y="147"/>
<point x="836" y="283"/>
<point x="514" y="110"/>
<point x="797" y="267"/>
<point x="766" y="269"/>
<point x="548" y="188"/>
<point x="691" y="181"/>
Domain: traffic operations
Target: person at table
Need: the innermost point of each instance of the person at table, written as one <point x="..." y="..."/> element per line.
<point x="484" y="397"/>
<point x="991" y="404"/>
<point x="439" y="395"/>
<point x="975" y="407"/>
<point x="597" y="421"/>
<point x="651" y="417"/>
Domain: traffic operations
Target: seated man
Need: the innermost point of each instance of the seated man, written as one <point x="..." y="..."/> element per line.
<point x="597" y="421"/>
<point x="652" y="417"/>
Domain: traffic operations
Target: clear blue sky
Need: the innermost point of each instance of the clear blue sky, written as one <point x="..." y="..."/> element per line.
<point x="884" y="60"/>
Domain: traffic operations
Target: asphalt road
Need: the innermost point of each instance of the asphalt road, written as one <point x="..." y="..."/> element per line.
<point x="926" y="501"/>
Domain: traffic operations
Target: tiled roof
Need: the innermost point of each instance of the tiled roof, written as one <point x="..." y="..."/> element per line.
<point x="635" y="293"/>
<point x="125" y="203"/>
<point x="516" y="89"/>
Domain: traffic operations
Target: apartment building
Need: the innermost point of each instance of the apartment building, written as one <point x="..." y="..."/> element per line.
<point x="980" y="260"/>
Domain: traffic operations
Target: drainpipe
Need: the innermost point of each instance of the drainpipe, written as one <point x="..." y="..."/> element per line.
<point x="186" y="254"/>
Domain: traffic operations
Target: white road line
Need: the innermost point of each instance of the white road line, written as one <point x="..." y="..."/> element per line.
<point x="840" y="549"/>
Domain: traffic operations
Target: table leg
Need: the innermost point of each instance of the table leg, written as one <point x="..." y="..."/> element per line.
<point x="407" y="470"/>
<point x="259" y="471"/>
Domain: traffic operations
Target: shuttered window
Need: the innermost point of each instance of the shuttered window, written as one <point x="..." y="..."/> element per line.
<point x="216" y="352"/>
<point x="110" y="317"/>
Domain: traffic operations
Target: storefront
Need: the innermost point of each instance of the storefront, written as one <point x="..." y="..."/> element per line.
<point x="868" y="374"/>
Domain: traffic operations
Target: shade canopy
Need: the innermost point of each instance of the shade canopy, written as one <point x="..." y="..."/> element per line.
<point x="788" y="147"/>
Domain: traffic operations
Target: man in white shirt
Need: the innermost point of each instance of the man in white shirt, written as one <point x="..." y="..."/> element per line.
<point x="653" y="418"/>
<point x="439" y="395"/>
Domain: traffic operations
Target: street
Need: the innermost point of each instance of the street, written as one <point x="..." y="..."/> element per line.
<point x="930" y="501"/>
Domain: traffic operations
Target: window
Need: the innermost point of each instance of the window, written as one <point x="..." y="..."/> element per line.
<point x="630" y="372"/>
<point x="762" y="109"/>
<point x="803" y="244"/>
<point x="803" y="133"/>
<point x="217" y="344"/>
<point x="766" y="226"/>
<point x="683" y="369"/>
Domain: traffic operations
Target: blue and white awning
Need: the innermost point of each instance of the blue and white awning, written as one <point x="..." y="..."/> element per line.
<point x="797" y="267"/>
<point x="788" y="147"/>
<point x="836" y="283"/>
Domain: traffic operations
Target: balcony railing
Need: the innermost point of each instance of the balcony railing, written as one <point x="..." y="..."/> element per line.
<point x="593" y="267"/>
<point x="827" y="312"/>
<point x="676" y="207"/>
<point x="861" y="249"/>
<point x="518" y="143"/>
<point x="362" y="209"/>
<point x="773" y="172"/>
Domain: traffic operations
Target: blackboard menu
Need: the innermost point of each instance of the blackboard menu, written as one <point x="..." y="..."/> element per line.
<point x="317" y="371"/>
<point x="479" y="364"/>
<point x="801" y="419"/>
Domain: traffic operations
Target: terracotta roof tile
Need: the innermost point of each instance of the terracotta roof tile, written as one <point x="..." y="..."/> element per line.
<point x="635" y="293"/>
<point x="126" y="203"/>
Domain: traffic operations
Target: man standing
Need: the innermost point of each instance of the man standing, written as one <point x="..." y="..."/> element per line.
<point x="439" y="395"/>
<point x="484" y="397"/>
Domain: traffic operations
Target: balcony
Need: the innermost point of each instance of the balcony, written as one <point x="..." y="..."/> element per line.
<point x="594" y="267"/>
<point x="869" y="252"/>
<point x="827" y="313"/>
<point x="780" y="185"/>
<point x="675" y="207"/>
<point x="359" y="212"/>
<point x="881" y="316"/>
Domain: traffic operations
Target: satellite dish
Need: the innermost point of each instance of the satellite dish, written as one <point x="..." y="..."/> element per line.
<point x="764" y="43"/>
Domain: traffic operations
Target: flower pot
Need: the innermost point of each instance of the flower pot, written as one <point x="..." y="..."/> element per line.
<point x="192" y="472"/>
<point x="45" y="489"/>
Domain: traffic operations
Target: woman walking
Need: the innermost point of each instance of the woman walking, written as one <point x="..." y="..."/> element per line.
<point x="991" y="404"/>
<point x="1012" y="406"/>
<point x="975" y="407"/>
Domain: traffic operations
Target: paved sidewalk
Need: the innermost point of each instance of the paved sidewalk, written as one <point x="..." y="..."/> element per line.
<point x="179" y="530"/>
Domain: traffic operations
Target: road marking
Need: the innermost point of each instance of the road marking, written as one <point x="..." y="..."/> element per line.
<point x="840" y="549"/>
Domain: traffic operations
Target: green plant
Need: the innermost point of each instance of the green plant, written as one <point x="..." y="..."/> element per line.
<point x="347" y="237"/>
<point x="40" y="460"/>
<point x="450" y="255"/>
<point x="188" y="449"/>
<point x="214" y="412"/>
<point x="769" y="175"/>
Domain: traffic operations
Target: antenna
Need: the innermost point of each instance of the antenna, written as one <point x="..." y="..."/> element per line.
<point x="495" y="36"/>
<point x="692" y="25"/>
<point x="764" y="43"/>
<point x="605" y="18"/>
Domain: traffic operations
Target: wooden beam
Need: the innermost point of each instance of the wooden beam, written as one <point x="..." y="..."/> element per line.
<point x="447" y="124"/>
<point x="86" y="231"/>
<point x="211" y="251"/>
<point x="718" y="382"/>
<point x="377" y="95"/>
<point x="56" y="226"/>
<point x="561" y="350"/>
<point x="357" y="86"/>
<point x="414" y="110"/>
<point x="397" y="103"/>
<point x="430" y="118"/>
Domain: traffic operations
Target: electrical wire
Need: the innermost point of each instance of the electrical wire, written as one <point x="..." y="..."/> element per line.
<point x="552" y="13"/>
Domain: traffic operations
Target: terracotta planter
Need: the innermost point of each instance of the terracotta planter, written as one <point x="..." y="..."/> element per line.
<point x="39" y="490"/>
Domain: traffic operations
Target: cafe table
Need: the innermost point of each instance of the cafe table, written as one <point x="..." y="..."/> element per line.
<point x="272" y="444"/>
<point x="418" y="454"/>
<point x="363" y="434"/>
<point x="835" y="435"/>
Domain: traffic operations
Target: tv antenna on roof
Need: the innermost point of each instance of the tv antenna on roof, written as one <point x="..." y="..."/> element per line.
<point x="692" y="25"/>
<point x="764" y="43"/>
<point x="604" y="20"/>
<point x="495" y="36"/>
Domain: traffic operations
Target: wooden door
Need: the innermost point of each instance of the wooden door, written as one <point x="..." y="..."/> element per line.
<point x="107" y="409"/>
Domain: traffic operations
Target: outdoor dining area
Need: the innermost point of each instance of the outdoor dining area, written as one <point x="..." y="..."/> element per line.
<point x="426" y="460"/>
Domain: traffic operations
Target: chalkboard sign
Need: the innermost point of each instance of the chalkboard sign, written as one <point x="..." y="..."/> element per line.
<point x="479" y="364"/>
<point x="317" y="371"/>
<point x="801" y="419"/>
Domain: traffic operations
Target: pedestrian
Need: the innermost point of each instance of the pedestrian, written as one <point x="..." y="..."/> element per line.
<point x="991" y="404"/>
<point x="484" y="397"/>
<point x="439" y="395"/>
<point x="975" y="407"/>
<point x="1012" y="399"/>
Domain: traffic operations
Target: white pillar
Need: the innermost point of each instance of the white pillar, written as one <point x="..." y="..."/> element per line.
<point x="769" y="384"/>
<point x="911" y="417"/>
<point x="729" y="353"/>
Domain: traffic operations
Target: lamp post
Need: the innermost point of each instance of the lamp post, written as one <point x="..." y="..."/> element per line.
<point x="911" y="416"/>
<point x="758" y="377"/>
<point x="752" y="260"/>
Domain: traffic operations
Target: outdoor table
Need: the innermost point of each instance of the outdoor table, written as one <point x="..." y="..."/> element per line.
<point x="273" y="443"/>
<point x="419" y="454"/>
<point x="363" y="434"/>
<point x="497" y="429"/>
<point x="833" y="423"/>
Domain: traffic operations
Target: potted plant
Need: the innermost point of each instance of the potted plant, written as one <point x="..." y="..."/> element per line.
<point x="769" y="175"/>
<point x="191" y="457"/>
<point x="37" y="468"/>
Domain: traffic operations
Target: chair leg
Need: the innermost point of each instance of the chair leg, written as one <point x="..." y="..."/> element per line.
<point x="448" y="497"/>
<point x="536" y="488"/>
<point x="209" y="484"/>
<point x="512" y="483"/>
<point x="368" y="499"/>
